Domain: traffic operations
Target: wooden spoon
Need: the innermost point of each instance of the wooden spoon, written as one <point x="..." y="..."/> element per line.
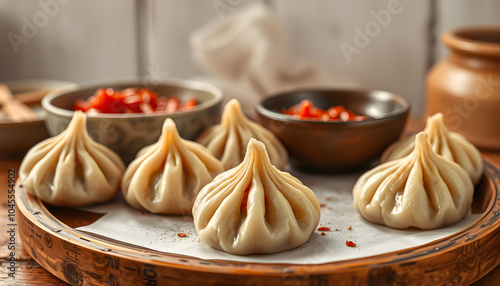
<point x="13" y="108"/>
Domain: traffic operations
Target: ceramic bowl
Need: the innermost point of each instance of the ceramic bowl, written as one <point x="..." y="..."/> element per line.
<point x="336" y="146"/>
<point x="126" y="134"/>
<point x="19" y="137"/>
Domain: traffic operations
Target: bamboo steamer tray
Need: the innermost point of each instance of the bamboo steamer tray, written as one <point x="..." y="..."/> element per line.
<point x="49" y="236"/>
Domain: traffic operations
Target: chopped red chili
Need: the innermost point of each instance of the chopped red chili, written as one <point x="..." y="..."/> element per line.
<point x="306" y="110"/>
<point x="349" y="228"/>
<point x="322" y="205"/>
<point x="131" y="100"/>
<point x="323" y="233"/>
<point x="323" y="228"/>
<point x="350" y="243"/>
<point x="181" y="234"/>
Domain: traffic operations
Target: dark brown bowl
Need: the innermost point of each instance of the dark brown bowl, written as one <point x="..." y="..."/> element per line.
<point x="336" y="146"/>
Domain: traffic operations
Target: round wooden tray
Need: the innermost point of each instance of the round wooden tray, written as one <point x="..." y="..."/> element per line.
<point x="82" y="259"/>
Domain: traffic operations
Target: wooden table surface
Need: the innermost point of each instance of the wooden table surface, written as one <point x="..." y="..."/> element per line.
<point x="28" y="272"/>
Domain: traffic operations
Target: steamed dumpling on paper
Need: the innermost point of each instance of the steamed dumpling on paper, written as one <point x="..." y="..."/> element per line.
<point x="451" y="145"/>
<point x="71" y="169"/>
<point x="422" y="190"/>
<point x="228" y="140"/>
<point x="255" y="208"/>
<point x="165" y="177"/>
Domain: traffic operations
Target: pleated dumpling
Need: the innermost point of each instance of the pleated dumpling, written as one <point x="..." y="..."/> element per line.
<point x="228" y="140"/>
<point x="255" y="208"/>
<point x="71" y="169"/>
<point x="451" y="145"/>
<point x="422" y="190"/>
<point x="165" y="177"/>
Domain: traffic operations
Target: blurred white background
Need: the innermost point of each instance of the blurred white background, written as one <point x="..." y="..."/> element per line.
<point x="81" y="41"/>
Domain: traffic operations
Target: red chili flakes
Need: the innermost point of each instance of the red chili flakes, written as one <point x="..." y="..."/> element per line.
<point x="306" y="110"/>
<point x="131" y="100"/>
<point x="350" y="243"/>
<point x="329" y="198"/>
<point x="181" y="234"/>
<point x="349" y="228"/>
<point x="322" y="205"/>
<point x="323" y="233"/>
<point x="323" y="228"/>
<point x="142" y="213"/>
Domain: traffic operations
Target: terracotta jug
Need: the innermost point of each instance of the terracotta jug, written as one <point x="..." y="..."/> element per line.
<point x="465" y="86"/>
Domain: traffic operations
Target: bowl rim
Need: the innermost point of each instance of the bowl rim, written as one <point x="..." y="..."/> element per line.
<point x="466" y="39"/>
<point x="178" y="82"/>
<point x="262" y="110"/>
<point x="36" y="84"/>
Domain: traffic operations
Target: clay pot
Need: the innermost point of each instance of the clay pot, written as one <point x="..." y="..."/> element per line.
<point x="465" y="86"/>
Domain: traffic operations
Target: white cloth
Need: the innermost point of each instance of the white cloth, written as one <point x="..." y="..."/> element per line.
<point x="246" y="55"/>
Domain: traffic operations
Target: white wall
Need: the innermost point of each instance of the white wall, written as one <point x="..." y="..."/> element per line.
<point x="76" y="41"/>
<point x="392" y="57"/>
<point x="79" y="40"/>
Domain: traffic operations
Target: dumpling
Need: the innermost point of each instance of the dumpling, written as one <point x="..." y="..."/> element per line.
<point x="165" y="177"/>
<point x="71" y="169"/>
<point x="255" y="208"/>
<point x="422" y="190"/>
<point x="451" y="145"/>
<point x="228" y="140"/>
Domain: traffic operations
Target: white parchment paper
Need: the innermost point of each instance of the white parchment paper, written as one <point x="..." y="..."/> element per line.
<point x="159" y="232"/>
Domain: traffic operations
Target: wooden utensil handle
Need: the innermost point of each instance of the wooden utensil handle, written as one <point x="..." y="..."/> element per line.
<point x="5" y="94"/>
<point x="13" y="108"/>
